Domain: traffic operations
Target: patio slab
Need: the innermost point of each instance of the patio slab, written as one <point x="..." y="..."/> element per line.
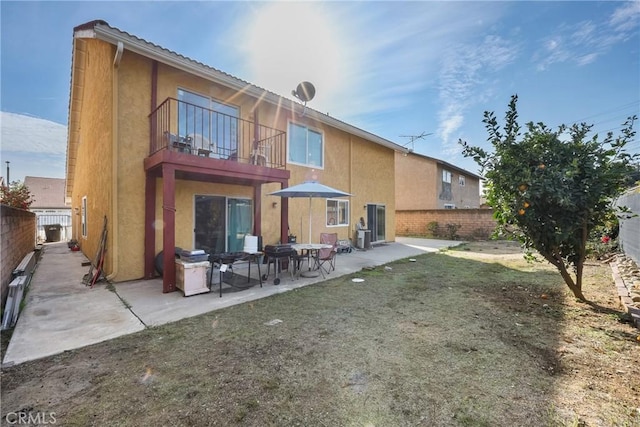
<point x="62" y="314"/>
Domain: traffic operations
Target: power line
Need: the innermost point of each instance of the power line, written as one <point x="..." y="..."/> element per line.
<point x="612" y="110"/>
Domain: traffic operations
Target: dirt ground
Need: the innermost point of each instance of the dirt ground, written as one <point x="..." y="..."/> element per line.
<point x="473" y="336"/>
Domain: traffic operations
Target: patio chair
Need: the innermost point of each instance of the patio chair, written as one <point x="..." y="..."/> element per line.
<point x="326" y="258"/>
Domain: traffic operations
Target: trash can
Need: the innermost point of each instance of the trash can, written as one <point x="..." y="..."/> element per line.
<point x="364" y="239"/>
<point x="52" y="232"/>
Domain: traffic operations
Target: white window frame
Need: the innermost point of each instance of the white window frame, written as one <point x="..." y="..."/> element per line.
<point x="333" y="217"/>
<point x="461" y="180"/>
<point x="449" y="206"/>
<point x="289" y="143"/>
<point x="446" y="176"/>
<point x="83" y="217"/>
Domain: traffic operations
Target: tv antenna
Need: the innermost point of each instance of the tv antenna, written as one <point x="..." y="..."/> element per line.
<point x="413" y="138"/>
<point x="305" y="92"/>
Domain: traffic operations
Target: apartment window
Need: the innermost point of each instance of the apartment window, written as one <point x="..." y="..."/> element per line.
<point x="446" y="193"/>
<point x="449" y="206"/>
<point x="461" y="181"/>
<point x="83" y="216"/>
<point x="305" y="146"/>
<point x="337" y="212"/>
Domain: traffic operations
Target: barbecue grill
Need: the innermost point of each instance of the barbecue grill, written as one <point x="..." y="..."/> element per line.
<point x="278" y="255"/>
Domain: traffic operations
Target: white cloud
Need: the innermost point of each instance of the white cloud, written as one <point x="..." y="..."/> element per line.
<point x="21" y="133"/>
<point x="465" y="80"/>
<point x="583" y="42"/>
<point x="626" y="17"/>
<point x="384" y="54"/>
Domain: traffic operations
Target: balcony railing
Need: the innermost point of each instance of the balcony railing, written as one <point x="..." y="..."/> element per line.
<point x="191" y="129"/>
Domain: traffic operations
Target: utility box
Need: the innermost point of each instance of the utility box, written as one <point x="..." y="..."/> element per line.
<point x="363" y="239"/>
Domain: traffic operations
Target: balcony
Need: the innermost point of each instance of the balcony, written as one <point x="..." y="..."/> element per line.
<point x="181" y="127"/>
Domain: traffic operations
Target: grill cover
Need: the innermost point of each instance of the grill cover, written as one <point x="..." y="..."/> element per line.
<point x="278" y="250"/>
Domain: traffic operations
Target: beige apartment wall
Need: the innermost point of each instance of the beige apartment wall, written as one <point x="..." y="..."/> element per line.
<point x="351" y="164"/>
<point x="419" y="185"/>
<point x="133" y="101"/>
<point x="417" y="182"/>
<point x="93" y="174"/>
<point x="467" y="196"/>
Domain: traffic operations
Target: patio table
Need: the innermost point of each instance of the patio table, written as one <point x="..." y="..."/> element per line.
<point x="310" y="250"/>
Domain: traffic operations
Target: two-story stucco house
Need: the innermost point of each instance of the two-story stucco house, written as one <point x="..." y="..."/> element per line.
<point x="423" y="182"/>
<point x="175" y="153"/>
<point x="434" y="192"/>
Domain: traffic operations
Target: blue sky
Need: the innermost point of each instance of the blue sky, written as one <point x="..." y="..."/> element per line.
<point x="396" y="69"/>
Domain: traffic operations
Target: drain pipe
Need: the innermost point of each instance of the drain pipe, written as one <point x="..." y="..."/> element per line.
<point x="114" y="167"/>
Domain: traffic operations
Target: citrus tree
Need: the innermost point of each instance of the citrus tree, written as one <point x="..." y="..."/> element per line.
<point x="550" y="188"/>
<point x="16" y="195"/>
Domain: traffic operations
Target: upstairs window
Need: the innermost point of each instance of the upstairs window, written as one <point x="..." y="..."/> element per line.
<point x="446" y="194"/>
<point x="461" y="181"/>
<point x="305" y="146"/>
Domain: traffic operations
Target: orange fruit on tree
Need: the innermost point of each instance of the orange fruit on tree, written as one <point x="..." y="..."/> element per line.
<point x="541" y="166"/>
<point x="521" y="212"/>
<point x="526" y="204"/>
<point x="523" y="187"/>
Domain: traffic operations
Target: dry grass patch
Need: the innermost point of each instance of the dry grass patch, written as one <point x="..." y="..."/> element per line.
<point x="468" y="337"/>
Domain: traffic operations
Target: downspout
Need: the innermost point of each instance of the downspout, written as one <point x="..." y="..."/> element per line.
<point x="114" y="167"/>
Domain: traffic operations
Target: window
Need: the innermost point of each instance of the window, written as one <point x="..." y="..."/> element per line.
<point x="449" y="206"/>
<point x="461" y="181"/>
<point x="337" y="212"/>
<point x="218" y="127"/>
<point x="446" y="186"/>
<point x="83" y="216"/>
<point x="305" y="146"/>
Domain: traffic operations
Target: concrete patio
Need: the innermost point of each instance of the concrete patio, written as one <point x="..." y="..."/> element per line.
<point x="61" y="313"/>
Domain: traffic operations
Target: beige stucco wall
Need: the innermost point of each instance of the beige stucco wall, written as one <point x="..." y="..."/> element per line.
<point x="463" y="196"/>
<point x="416" y="182"/>
<point x="419" y="184"/>
<point x="351" y="164"/>
<point x="93" y="173"/>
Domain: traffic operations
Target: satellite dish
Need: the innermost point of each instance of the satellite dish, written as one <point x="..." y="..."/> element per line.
<point x="304" y="92"/>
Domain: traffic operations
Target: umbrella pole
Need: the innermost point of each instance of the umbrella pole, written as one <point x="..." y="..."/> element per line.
<point x="309" y="219"/>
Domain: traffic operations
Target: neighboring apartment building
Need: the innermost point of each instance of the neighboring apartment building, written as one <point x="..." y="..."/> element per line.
<point x="175" y="153"/>
<point x="435" y="198"/>
<point x="53" y="215"/>
<point x="423" y="182"/>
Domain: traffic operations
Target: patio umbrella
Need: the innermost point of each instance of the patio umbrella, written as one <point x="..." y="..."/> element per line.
<point x="310" y="189"/>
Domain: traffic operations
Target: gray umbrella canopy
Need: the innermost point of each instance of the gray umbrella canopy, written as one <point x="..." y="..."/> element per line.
<point x="310" y="189"/>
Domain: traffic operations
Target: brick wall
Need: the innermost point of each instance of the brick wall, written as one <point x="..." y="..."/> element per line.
<point x="474" y="223"/>
<point x="18" y="238"/>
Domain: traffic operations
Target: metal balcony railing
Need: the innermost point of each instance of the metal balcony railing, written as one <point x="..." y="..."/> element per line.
<point x="191" y="129"/>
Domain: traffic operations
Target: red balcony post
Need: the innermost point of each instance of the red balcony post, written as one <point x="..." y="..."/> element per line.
<point x="169" y="227"/>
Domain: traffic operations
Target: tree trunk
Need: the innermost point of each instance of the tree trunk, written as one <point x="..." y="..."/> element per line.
<point x="576" y="287"/>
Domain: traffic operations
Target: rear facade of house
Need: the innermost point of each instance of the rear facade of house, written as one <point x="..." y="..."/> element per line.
<point x="168" y="152"/>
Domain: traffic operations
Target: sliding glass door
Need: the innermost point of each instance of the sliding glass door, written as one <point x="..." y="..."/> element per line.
<point x="376" y="222"/>
<point x="221" y="223"/>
